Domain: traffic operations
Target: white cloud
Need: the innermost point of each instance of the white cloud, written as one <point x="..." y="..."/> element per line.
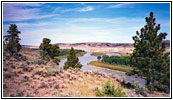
<point x="88" y="8"/>
<point x="121" y="5"/>
<point x="84" y="9"/>
<point x="18" y="12"/>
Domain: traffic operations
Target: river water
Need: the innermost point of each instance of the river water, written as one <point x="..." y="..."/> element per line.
<point x="88" y="58"/>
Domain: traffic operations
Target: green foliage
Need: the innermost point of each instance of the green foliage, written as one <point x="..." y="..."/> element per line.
<point x="67" y="51"/>
<point x="12" y="40"/>
<point x="116" y="60"/>
<point x="110" y="90"/>
<point x="99" y="57"/>
<point x="72" y="60"/>
<point x="49" y="51"/>
<point x="148" y="57"/>
<point x="24" y="58"/>
<point x="56" y="61"/>
<point x="54" y="51"/>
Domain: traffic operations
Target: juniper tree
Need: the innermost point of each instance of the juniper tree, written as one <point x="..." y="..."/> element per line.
<point x="45" y="49"/>
<point x="72" y="60"/>
<point x="12" y="39"/>
<point x="49" y="51"/>
<point x="149" y="59"/>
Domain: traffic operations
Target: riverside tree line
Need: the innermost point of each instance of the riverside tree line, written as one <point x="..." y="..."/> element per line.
<point x="148" y="59"/>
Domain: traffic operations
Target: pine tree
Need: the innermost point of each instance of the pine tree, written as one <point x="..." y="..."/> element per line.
<point x="12" y="40"/>
<point x="72" y="60"/>
<point x="149" y="59"/>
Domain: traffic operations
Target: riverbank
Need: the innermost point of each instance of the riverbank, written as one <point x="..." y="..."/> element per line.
<point x="120" y="68"/>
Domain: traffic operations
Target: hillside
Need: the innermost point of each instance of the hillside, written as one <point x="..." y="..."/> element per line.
<point x="32" y="77"/>
<point x="97" y="44"/>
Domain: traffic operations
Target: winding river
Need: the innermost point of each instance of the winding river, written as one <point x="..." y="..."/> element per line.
<point x="88" y="58"/>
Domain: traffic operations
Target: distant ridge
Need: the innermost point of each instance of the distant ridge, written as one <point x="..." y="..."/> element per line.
<point x="27" y="46"/>
<point x="97" y="44"/>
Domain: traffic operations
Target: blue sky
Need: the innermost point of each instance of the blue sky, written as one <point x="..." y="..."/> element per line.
<point x="82" y="22"/>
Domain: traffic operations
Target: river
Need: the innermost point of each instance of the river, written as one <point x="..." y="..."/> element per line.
<point x="88" y="58"/>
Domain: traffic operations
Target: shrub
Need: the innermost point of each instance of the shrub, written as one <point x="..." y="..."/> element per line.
<point x="56" y="61"/>
<point x="24" y="58"/>
<point x="110" y="90"/>
<point x="139" y="89"/>
<point x="99" y="57"/>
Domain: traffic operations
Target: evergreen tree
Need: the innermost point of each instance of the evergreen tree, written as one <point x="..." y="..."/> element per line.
<point x="72" y="60"/>
<point x="148" y="58"/>
<point x="54" y="51"/>
<point x="12" y="40"/>
<point x="49" y="51"/>
<point x="45" y="49"/>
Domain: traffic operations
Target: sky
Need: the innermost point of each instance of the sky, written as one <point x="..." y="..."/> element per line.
<point x="82" y="22"/>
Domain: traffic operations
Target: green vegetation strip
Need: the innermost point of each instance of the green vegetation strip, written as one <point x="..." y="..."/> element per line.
<point x="79" y="54"/>
<point x="97" y="54"/>
<point x="121" y="68"/>
<point x="65" y="52"/>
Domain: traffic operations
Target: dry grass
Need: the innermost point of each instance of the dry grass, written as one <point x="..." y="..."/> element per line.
<point x="109" y="66"/>
<point x="97" y="54"/>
